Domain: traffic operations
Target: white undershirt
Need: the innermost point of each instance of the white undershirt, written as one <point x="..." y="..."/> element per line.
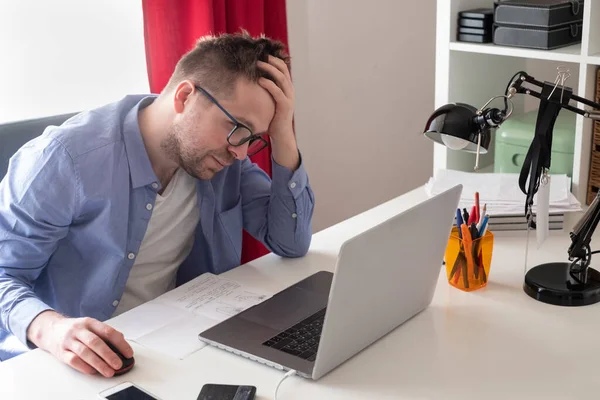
<point x="168" y="241"/>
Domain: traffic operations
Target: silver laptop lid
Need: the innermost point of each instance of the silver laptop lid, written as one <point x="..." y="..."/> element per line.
<point x="383" y="277"/>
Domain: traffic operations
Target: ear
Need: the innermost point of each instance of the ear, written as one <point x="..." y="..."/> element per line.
<point x="183" y="93"/>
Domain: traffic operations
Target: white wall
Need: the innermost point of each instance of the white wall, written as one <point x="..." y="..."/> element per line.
<point x="61" y="56"/>
<point x="364" y="77"/>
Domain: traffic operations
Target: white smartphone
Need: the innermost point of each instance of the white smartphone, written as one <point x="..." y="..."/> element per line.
<point x="126" y="391"/>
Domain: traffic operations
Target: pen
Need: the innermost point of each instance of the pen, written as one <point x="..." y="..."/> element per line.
<point x="473" y="231"/>
<point x="457" y="262"/>
<point x="483" y="227"/>
<point x="460" y="260"/>
<point x="477" y="254"/>
<point x="483" y="275"/>
<point x="474" y="248"/>
<point x="457" y="275"/>
<point x="477" y="217"/>
<point x="468" y="255"/>
<point x="459" y="222"/>
<point x="480" y="222"/>
<point x="481" y="217"/>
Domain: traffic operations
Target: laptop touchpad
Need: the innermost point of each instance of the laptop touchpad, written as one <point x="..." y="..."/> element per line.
<point x="286" y="308"/>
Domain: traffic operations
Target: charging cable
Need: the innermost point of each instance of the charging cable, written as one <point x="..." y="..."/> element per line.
<point x="288" y="374"/>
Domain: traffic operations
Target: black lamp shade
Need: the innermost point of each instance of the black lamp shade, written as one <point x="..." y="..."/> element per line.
<point x="454" y="125"/>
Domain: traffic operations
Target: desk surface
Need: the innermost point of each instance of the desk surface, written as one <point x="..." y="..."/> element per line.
<point x="495" y="343"/>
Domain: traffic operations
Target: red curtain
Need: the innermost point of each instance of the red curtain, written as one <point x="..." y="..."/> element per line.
<point x="171" y="28"/>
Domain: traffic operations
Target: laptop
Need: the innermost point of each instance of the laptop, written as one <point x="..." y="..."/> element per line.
<point x="383" y="277"/>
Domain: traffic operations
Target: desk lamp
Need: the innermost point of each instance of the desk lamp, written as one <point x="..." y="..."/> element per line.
<point x="463" y="127"/>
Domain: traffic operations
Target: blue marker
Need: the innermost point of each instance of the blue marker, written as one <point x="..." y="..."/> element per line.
<point x="459" y="222"/>
<point x="483" y="227"/>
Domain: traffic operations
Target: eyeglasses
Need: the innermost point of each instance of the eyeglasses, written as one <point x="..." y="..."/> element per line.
<point x="240" y="134"/>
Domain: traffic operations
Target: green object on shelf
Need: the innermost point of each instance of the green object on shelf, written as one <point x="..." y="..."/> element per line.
<point x="515" y="135"/>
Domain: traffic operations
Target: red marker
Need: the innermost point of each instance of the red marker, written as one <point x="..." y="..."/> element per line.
<point x="472" y="216"/>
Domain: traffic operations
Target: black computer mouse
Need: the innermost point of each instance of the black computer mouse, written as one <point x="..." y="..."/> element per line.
<point x="127" y="362"/>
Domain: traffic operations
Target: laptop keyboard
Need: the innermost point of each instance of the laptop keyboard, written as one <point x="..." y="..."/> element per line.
<point x="302" y="339"/>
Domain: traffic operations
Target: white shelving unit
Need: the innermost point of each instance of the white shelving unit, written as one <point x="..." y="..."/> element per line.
<point x="473" y="73"/>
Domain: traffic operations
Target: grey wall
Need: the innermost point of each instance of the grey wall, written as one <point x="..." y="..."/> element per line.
<point x="364" y="77"/>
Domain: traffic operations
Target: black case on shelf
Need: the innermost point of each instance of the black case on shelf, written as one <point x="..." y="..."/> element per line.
<point x="475" y="25"/>
<point x="545" y="14"/>
<point x="538" y="38"/>
<point x="474" y="31"/>
<point x="538" y="24"/>
<point x="465" y="37"/>
<point x="478" y="13"/>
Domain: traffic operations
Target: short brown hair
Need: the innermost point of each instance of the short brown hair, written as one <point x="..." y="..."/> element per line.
<point x="216" y="62"/>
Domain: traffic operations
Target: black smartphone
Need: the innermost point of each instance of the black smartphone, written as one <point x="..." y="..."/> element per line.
<point x="213" y="391"/>
<point x="126" y="391"/>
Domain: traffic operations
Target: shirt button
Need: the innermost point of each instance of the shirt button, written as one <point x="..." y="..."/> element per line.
<point x="294" y="215"/>
<point x="131" y="256"/>
<point x="293" y="185"/>
<point x="148" y="206"/>
<point x="115" y="303"/>
<point x="155" y="185"/>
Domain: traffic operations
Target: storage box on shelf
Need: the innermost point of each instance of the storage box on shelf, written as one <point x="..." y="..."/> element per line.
<point x="514" y="137"/>
<point x="549" y="24"/>
<point x="475" y="25"/>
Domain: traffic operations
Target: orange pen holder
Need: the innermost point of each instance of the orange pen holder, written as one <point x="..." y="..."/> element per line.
<point x="468" y="262"/>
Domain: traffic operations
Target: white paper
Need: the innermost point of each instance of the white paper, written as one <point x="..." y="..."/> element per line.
<point x="231" y="304"/>
<point x="145" y="318"/>
<point x="195" y="294"/>
<point x="494" y="186"/>
<point x="180" y="338"/>
<point x="170" y="324"/>
<point x="501" y="193"/>
<point x="543" y="210"/>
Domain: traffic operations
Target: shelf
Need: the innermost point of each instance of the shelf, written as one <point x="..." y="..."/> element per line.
<point x="564" y="54"/>
<point x="473" y="72"/>
<point x="594" y="59"/>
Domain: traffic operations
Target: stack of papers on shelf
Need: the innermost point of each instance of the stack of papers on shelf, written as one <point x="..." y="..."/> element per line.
<point x="505" y="202"/>
<point x="170" y="324"/>
<point x="519" y="222"/>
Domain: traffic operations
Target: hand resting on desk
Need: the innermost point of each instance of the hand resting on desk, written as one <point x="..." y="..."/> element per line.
<point x="79" y="342"/>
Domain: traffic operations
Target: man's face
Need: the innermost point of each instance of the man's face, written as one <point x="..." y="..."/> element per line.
<point x="197" y="139"/>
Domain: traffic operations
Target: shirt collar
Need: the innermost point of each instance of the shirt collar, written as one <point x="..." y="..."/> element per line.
<point x="140" y="167"/>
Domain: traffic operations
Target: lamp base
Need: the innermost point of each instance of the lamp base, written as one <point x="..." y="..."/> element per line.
<point x="552" y="283"/>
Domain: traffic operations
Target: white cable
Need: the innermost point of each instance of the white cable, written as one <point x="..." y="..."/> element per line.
<point x="288" y="374"/>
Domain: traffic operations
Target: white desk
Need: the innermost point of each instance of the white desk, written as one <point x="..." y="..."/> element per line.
<point x="495" y="343"/>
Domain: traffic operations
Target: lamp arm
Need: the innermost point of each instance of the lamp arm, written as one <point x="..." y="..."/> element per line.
<point x="584" y="229"/>
<point x="517" y="86"/>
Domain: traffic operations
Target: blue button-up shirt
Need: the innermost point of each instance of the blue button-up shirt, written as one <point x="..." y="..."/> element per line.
<point x="73" y="215"/>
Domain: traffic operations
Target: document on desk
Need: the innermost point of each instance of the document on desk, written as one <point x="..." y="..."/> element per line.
<point x="212" y="296"/>
<point x="170" y="324"/>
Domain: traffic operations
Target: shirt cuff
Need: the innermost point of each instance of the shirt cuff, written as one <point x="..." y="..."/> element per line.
<point x="21" y="316"/>
<point x="287" y="182"/>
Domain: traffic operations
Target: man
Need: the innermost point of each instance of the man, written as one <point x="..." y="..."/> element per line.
<point x="123" y="203"/>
